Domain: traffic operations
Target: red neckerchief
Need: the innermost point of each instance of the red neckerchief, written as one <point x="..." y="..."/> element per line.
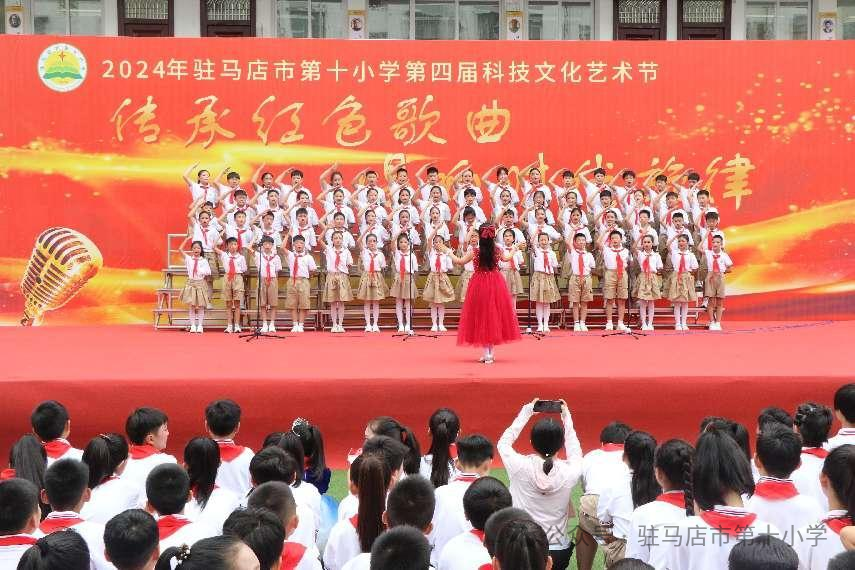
<point x="56" y="448"/>
<point x="292" y="554"/>
<point x="466" y="478"/>
<point x="169" y="525"/>
<point x="730" y="524"/>
<point x="815" y="451"/>
<point x="354" y="520"/>
<point x="479" y="534"/>
<point x="838" y="523"/>
<point x="676" y="498"/>
<point x="142" y="451"/>
<point x="8" y="473"/>
<point x="228" y="450"/>
<point x="55" y="523"/>
<point x="612" y="447"/>
<point x="17" y="540"/>
<point x="775" y="489"/>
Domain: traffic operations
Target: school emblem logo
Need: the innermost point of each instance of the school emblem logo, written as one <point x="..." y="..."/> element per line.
<point x="62" y="67"/>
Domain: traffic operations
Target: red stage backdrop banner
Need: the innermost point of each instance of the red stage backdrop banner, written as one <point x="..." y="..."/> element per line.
<point x="95" y="133"/>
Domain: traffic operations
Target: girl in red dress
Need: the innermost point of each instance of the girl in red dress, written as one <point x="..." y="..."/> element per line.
<point x="489" y="314"/>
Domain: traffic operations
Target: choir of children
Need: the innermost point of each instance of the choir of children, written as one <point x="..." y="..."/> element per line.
<point x="127" y="505"/>
<point x="642" y="241"/>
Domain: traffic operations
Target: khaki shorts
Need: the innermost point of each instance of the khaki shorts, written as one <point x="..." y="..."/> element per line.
<point x="614" y="289"/>
<point x="233" y="288"/>
<point x="269" y="293"/>
<point x="297" y="296"/>
<point x="579" y="290"/>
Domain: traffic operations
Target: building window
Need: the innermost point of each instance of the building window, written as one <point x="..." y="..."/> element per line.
<point x="478" y="20"/>
<point x="435" y="19"/>
<point x="311" y="18"/>
<point x="68" y="17"/>
<point x="550" y="20"/>
<point x="777" y="20"/>
<point x="388" y="19"/>
<point x="145" y="18"/>
<point x="846" y="19"/>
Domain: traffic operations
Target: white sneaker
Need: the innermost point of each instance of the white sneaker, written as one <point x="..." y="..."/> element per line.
<point x="192" y="329"/>
<point x="369" y="328"/>
<point x="546" y="329"/>
<point x="610" y="326"/>
<point x="622" y="327"/>
<point x="300" y="328"/>
<point x="583" y="327"/>
<point x="442" y="328"/>
<point x="717" y="326"/>
<point x="341" y="329"/>
<point x="199" y="329"/>
<point x="577" y="327"/>
<point x="401" y="328"/>
<point x="271" y="328"/>
<point x="410" y="331"/>
<point x="264" y="328"/>
<point x="677" y="327"/>
<point x="295" y="328"/>
<point x="434" y="328"/>
<point x="229" y="329"/>
<point x="237" y="328"/>
<point x="375" y="328"/>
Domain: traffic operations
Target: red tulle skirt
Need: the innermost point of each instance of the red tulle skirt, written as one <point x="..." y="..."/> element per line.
<point x="489" y="315"/>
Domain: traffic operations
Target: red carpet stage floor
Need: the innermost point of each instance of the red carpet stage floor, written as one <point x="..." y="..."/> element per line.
<point x="664" y="382"/>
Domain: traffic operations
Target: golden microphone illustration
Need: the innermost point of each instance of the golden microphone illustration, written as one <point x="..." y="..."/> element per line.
<point x="62" y="261"/>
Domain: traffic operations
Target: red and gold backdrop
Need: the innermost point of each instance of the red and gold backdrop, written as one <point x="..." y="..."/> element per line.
<point x="100" y="147"/>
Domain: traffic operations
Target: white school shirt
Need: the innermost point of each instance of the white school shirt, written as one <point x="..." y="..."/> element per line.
<point x="347" y="240"/>
<point x="441" y="231"/>
<point x="529" y="190"/>
<point x="480" y="216"/>
<point x="588" y="262"/>
<point x="519" y="237"/>
<point x="426" y="467"/>
<point x="672" y="231"/>
<point x="348" y="507"/>
<point x="547" y="498"/>
<point x="817" y="543"/>
<point x="240" y="262"/>
<point x="565" y="216"/>
<point x="92" y="533"/>
<point x="692" y="544"/>
<point x="466" y="551"/>
<point x="638" y="233"/>
<point x="233" y="473"/>
<point x="592" y="188"/>
<point x="308" y="233"/>
<point x="210" y="193"/>
<point x="344" y="262"/>
<point x="699" y="215"/>
<point x="545" y="261"/>
<point x="444" y="211"/>
<point x="497" y="189"/>
<point x="289" y="194"/>
<point x="272" y="233"/>
<point x="263" y="203"/>
<point x="361" y="562"/>
<point x="378" y="231"/>
<point x="307" y="495"/>
<point x="10" y="554"/>
<point x="410" y="262"/>
<point x="111" y="497"/>
<point x="305" y="264"/>
<point x="312" y="216"/>
<point x="561" y="191"/>
<point x="189" y="534"/>
<point x="615" y="505"/>
<point x="424" y="192"/>
<point x="244" y="235"/>
<point x="410" y="232"/>
<point x="197" y="268"/>
<point x="845" y="436"/>
<point x="443" y="259"/>
<point x="209" y="236"/>
<point x="691" y="260"/>
<point x="378" y="257"/>
<point x="531" y="218"/>
<point x="329" y="200"/>
<point x="570" y="233"/>
<point x="395" y="190"/>
<point x="308" y="561"/>
<point x="517" y="260"/>
<point x="332" y="210"/>
<point x="60" y="448"/>
<point x="342" y="544"/>
<point x="379" y="210"/>
<point x="647" y="528"/>
<point x="463" y="231"/>
<point x="610" y="258"/>
<point x="535" y="230"/>
<point x="600" y="215"/>
<point x="806" y="477"/>
<point x="724" y="260"/>
<point x="600" y="465"/>
<point x="249" y="211"/>
<point x="362" y="193"/>
<point x="137" y="470"/>
<point x="460" y="189"/>
<point x="415" y="215"/>
<point x="604" y="235"/>
<point x="655" y="261"/>
<point x="666" y="216"/>
<point x="499" y="208"/>
<point x="633" y="213"/>
<point x="705" y="238"/>
<point x="449" y="519"/>
<point x="279" y="223"/>
<point x="786" y="514"/>
<point x="220" y="505"/>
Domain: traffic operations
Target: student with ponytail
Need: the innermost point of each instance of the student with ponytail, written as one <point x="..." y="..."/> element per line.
<point x="522" y="545"/>
<point x="628" y="490"/>
<point x="106" y="455"/>
<point x="721" y="475"/>
<point x="541" y="483"/>
<point x="209" y="503"/>
<point x="27" y="460"/>
<point x="813" y="422"/>
<point x="390" y="427"/>
<point x="217" y="553"/>
<point x="673" y="471"/>
<point x="316" y="471"/>
<point x="438" y="464"/>
<point x="57" y="551"/>
<point x="820" y="541"/>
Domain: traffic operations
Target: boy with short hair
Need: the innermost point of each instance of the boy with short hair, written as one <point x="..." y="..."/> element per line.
<point x="615" y="280"/>
<point x="148" y="432"/>
<point x="304" y="229"/>
<point x="269" y="265"/>
<point x="425" y="187"/>
<point x="20" y="514"/>
<point x="844" y="411"/>
<point x="52" y="425"/>
<point x="222" y="420"/>
<point x="277" y="497"/>
<point x="402" y="547"/>
<point x="301" y="265"/>
<point x="775" y="497"/>
<point x="718" y="263"/>
<point x="262" y="531"/>
<point x="234" y="265"/>
<point x="168" y="490"/>
<point x="131" y="541"/>
<point x="66" y="492"/>
<point x="580" y="290"/>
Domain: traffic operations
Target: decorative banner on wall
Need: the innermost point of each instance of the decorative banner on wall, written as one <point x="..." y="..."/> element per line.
<point x="96" y="133"/>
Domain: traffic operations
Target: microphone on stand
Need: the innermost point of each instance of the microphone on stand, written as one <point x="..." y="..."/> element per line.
<point x="62" y="262"/>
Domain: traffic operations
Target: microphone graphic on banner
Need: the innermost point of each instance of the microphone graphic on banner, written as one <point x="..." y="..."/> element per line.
<point x="62" y="261"/>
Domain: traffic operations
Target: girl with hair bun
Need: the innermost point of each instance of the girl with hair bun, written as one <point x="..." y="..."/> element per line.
<point x="813" y="422"/>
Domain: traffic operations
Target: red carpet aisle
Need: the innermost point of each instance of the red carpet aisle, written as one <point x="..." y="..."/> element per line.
<point x="663" y="383"/>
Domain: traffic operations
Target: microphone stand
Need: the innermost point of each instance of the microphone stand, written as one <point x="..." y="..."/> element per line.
<point x="256" y="330"/>
<point x="631" y="332"/>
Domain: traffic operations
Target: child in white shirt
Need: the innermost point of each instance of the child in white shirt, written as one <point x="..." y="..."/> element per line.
<point x="438" y="290"/>
<point x="51" y="423"/>
<point x="337" y="290"/>
<point x="372" y="284"/>
<point x="106" y="455"/>
<point x="844" y="411"/>
<point x="812" y="421"/>
<point x="222" y="420"/>
<point x="301" y="265"/>
<point x="148" y="433"/>
<point x="168" y="487"/>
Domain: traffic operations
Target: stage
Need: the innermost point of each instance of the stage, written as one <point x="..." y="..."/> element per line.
<point x="664" y="382"/>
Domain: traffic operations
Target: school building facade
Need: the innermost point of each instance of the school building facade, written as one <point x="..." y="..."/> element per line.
<point x="437" y="19"/>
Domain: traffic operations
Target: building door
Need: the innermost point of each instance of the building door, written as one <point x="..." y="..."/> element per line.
<point x="703" y="19"/>
<point x="228" y="18"/>
<point x="639" y="19"/>
<point x="146" y="18"/>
